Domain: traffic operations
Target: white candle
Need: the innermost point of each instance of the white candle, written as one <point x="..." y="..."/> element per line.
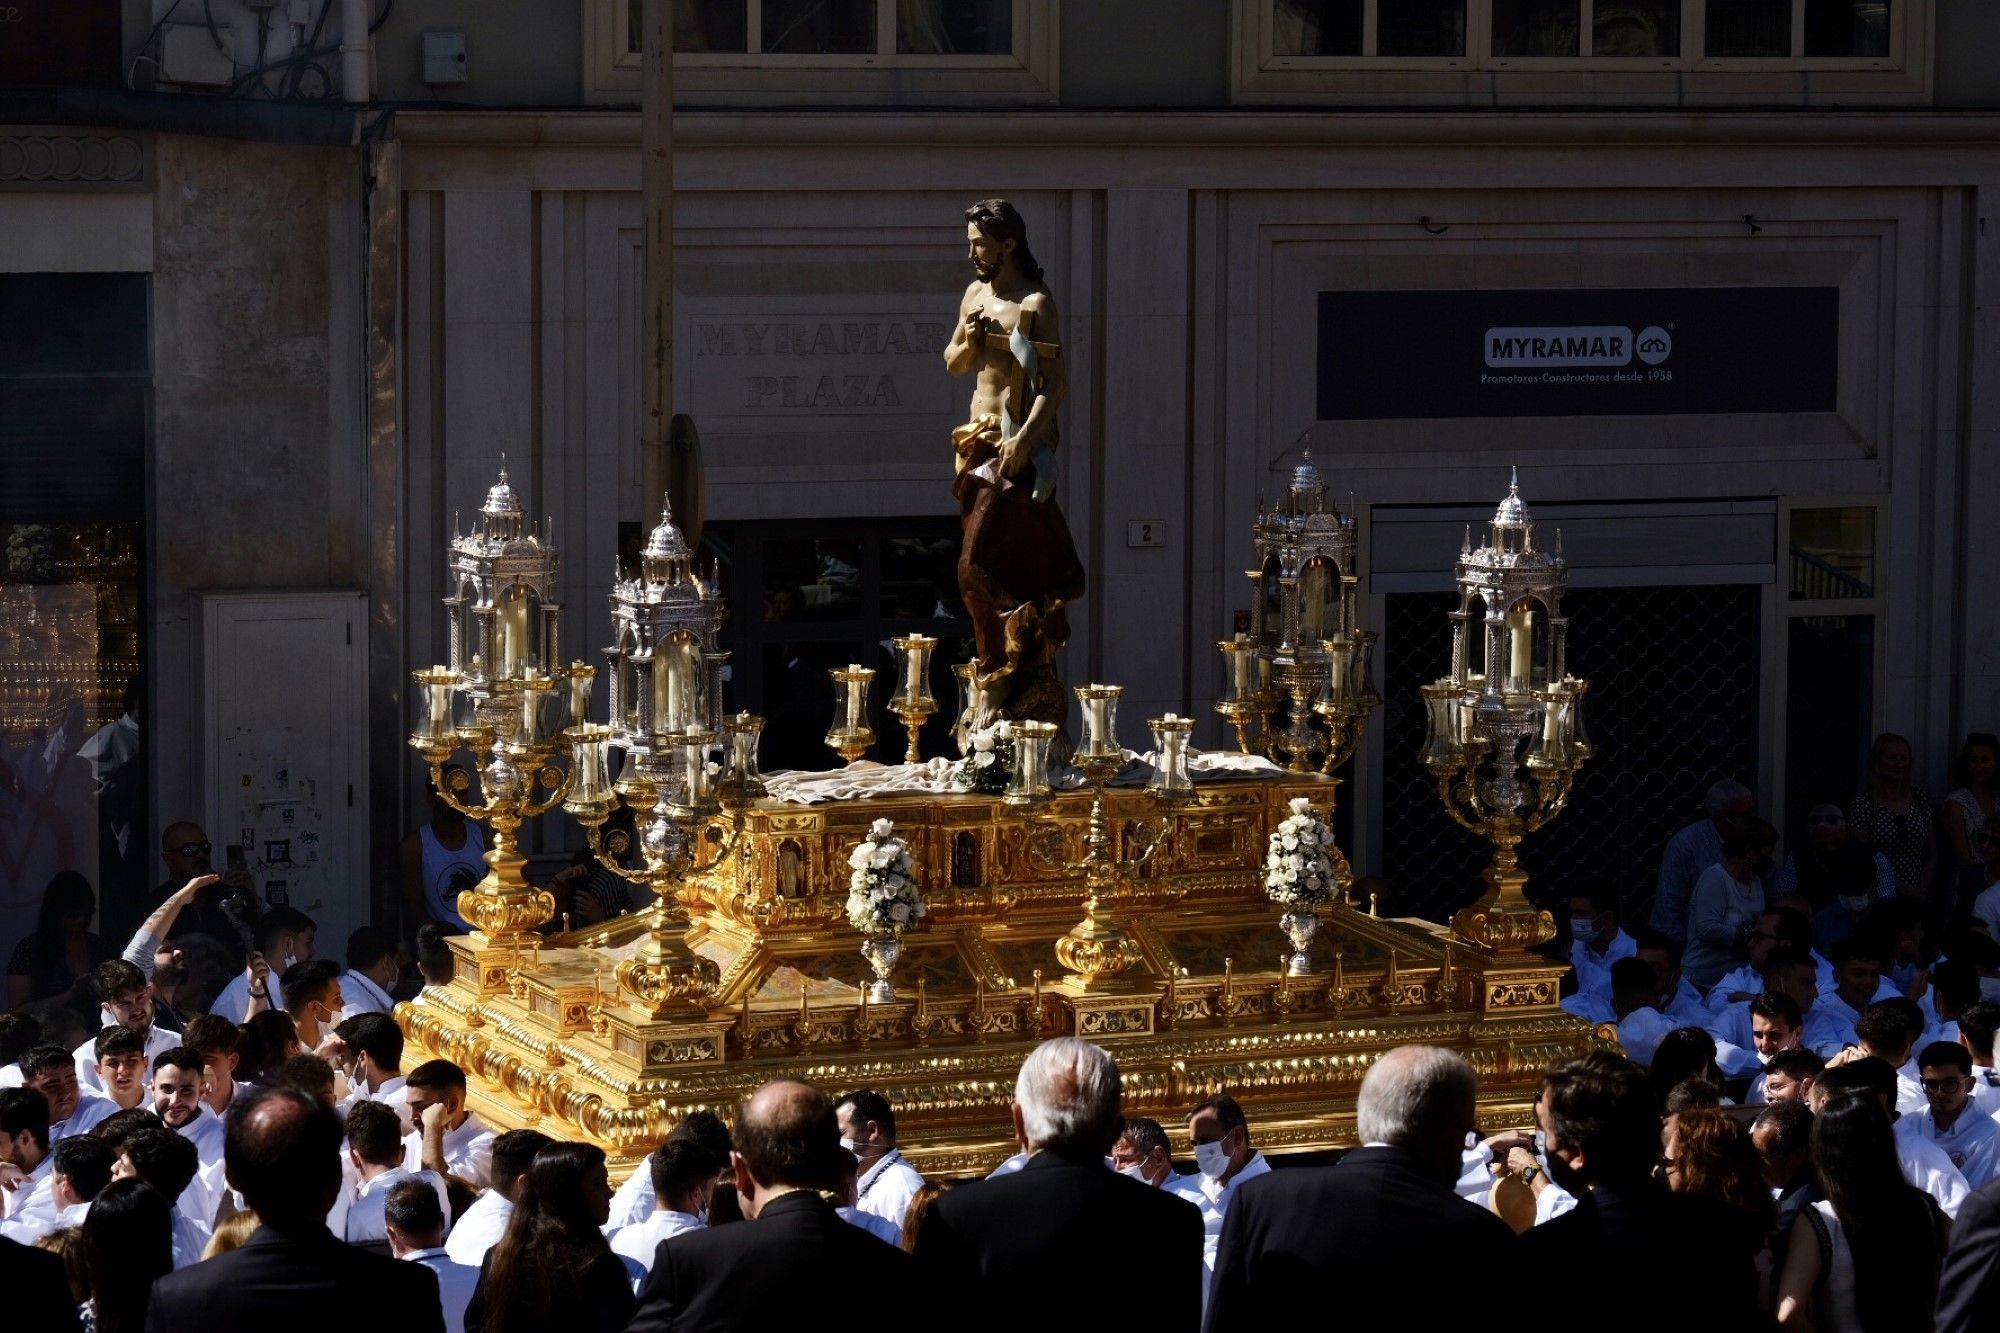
<point x="510" y="626"/>
<point x="1521" y="643"/>
<point x="579" y="698"/>
<point x="529" y="698"/>
<point x="669" y="691"/>
<point x="1551" y="717"/>
<point x="440" y="706"/>
<point x="856" y="698"/>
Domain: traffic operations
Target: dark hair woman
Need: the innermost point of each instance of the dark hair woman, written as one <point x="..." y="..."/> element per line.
<point x="1969" y="805"/>
<point x="553" y="1272"/>
<point x="128" y="1243"/>
<point x="1893" y="816"/>
<point x="48" y="962"/>
<point x="1868" y="1257"/>
<point x="269" y="1039"/>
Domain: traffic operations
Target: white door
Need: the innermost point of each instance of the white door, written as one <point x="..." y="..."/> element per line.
<point x="285" y="733"/>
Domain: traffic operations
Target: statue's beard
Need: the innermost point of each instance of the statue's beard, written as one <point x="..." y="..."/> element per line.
<point x="983" y="270"/>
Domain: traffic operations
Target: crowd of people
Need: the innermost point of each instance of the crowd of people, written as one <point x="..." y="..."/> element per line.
<point x="1802" y="1131"/>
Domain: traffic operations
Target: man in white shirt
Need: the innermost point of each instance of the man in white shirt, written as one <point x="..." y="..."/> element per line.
<point x="1789" y="1075"/>
<point x="1857" y="976"/>
<point x="868" y="1130"/>
<point x="127" y="1003"/>
<point x="24" y="1146"/>
<point x="1970" y="1139"/>
<point x="284" y="938"/>
<point x="1887" y="1032"/>
<point x="371" y="1056"/>
<point x="375" y="1152"/>
<point x="1786" y="972"/>
<point x="1692" y="850"/>
<point x="634" y="1200"/>
<point x="1976" y="1027"/>
<point x="1776" y="928"/>
<point x="372" y="972"/>
<point x="683" y="1174"/>
<point x="480" y="1229"/>
<point x="1775" y="1026"/>
<point x="176" y="1099"/>
<point x="169" y="1163"/>
<point x="1924" y="1163"/>
<point x="415" y="1224"/>
<point x="51" y="1071"/>
<point x="1596" y="939"/>
<point x="452" y="1141"/>
<point x="77" y="1168"/>
<point x="1222" y="1151"/>
<point x="1142" y="1152"/>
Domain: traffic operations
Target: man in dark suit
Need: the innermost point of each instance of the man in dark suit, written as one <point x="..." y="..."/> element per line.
<point x="281" y="1152"/>
<point x="1384" y="1219"/>
<point x="795" y="1256"/>
<point x="37" y="1293"/>
<point x="1000" y="1246"/>
<point x="1969" y="1287"/>
<point x="1603" y="1131"/>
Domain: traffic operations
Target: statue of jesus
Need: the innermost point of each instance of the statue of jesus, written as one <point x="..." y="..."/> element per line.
<point x="1018" y="569"/>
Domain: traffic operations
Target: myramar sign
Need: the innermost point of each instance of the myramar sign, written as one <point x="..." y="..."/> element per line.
<point x="1609" y="352"/>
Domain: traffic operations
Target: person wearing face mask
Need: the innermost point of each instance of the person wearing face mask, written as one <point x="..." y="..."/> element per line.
<point x="1603" y="1131"/>
<point x="313" y="999"/>
<point x="1727" y="901"/>
<point x="887" y="1183"/>
<point x="1222" y="1153"/>
<point x="1976" y="1027"/>
<point x="372" y="972"/>
<point x="1142" y="1152"/>
<point x="683" y="1175"/>
<point x="634" y="1201"/>
<point x="371" y="1051"/>
<point x="1596" y="939"/>
<point x="284" y="938"/>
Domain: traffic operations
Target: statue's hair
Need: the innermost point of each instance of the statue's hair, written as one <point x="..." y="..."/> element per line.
<point x="1000" y="221"/>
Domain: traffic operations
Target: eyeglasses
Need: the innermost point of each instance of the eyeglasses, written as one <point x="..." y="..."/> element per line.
<point x="1939" y="1084"/>
<point x="193" y="849"/>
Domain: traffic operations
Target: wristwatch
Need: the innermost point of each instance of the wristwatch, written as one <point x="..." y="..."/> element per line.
<point x="1529" y="1172"/>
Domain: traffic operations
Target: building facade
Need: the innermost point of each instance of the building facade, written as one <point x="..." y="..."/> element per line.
<point x="1396" y="233"/>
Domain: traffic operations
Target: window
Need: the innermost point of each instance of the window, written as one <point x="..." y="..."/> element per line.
<point x="1288" y="49"/>
<point x="806" y="596"/>
<point x="849" y="49"/>
<point x="1830" y="616"/>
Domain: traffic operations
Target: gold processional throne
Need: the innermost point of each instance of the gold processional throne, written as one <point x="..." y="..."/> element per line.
<point x="550" y="1035"/>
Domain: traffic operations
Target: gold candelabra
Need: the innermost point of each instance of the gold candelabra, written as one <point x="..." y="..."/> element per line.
<point x="1505" y="733"/>
<point x="495" y="698"/>
<point x="1097" y="949"/>
<point x="850" y="736"/>
<point x="914" y="703"/>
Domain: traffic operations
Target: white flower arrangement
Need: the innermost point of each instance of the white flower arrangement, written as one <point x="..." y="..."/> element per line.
<point x="1299" y="871"/>
<point x="882" y="896"/>
<point x="990" y="766"/>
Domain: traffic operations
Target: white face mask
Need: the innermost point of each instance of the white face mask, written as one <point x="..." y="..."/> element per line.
<point x="1989" y="989"/>
<point x="847" y="1142"/>
<point x="1137" y="1171"/>
<point x="1583" y="929"/>
<point x="1855" y="903"/>
<point x="1212" y="1159"/>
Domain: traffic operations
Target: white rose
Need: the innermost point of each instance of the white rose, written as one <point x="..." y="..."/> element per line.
<point x="982" y="742"/>
<point x="1301" y="806"/>
<point x="981" y="758"/>
<point x="881" y="828"/>
<point x="859" y="857"/>
<point x="1003" y="730"/>
<point x="898" y="913"/>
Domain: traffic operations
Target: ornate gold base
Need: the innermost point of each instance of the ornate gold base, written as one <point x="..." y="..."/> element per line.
<point x="1205" y="1004"/>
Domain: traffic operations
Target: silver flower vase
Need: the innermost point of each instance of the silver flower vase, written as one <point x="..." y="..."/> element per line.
<point x="881" y="951"/>
<point x="1299" y="928"/>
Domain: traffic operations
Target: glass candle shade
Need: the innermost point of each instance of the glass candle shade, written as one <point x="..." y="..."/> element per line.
<point x="697" y="792"/>
<point x="743" y="732"/>
<point x="436" y="726"/>
<point x="853" y="680"/>
<point x="1100" y="720"/>
<point x="676" y="685"/>
<point x="1340" y="671"/>
<point x="512" y="651"/>
<point x="1171" y="780"/>
<point x="590" y="769"/>
<point x="1030" y="782"/>
<point x="1240" y="653"/>
<point x="913" y="676"/>
<point x="1443" y="707"/>
<point x="581" y="676"/>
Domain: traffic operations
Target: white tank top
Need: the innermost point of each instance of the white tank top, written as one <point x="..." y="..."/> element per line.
<point x="448" y="873"/>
